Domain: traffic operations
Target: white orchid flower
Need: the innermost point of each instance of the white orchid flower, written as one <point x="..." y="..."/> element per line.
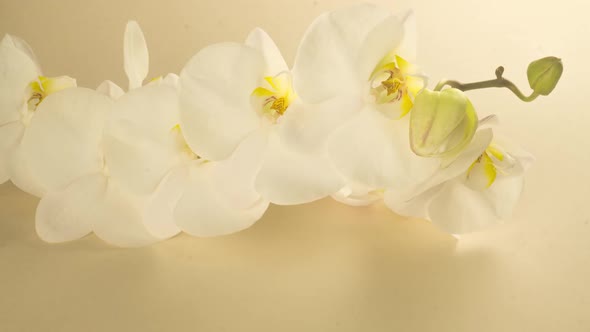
<point x="64" y="149"/>
<point x="478" y="189"/>
<point x="366" y="53"/>
<point x="23" y="88"/>
<point x="65" y="146"/>
<point x="232" y="93"/>
<point x="146" y="153"/>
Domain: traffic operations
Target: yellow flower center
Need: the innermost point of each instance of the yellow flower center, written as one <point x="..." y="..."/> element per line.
<point x="392" y="82"/>
<point x="38" y="90"/>
<point x="484" y="170"/>
<point x="273" y="98"/>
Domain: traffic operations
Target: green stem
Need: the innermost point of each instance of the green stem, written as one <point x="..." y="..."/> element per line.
<point x="498" y="82"/>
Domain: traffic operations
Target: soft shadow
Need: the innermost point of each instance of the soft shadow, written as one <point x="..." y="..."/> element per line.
<point x="341" y="267"/>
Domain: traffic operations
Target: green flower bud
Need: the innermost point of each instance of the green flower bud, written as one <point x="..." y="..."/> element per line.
<point x="442" y="123"/>
<point x="544" y="74"/>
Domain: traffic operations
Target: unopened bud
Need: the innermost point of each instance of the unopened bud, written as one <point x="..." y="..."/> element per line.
<point x="442" y="123"/>
<point x="544" y="74"/>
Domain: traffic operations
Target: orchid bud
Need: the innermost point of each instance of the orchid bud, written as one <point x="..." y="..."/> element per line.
<point x="442" y="123"/>
<point x="543" y="74"/>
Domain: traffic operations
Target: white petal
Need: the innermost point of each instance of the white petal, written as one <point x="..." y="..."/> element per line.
<point x="407" y="47"/>
<point x="23" y="177"/>
<point x="141" y="141"/>
<point x="356" y="197"/>
<point x="110" y="89"/>
<point x="403" y="203"/>
<point x="523" y="157"/>
<point x="135" y="55"/>
<point x="158" y="214"/>
<point x="66" y="215"/>
<point x="216" y="112"/>
<point x="384" y="38"/>
<point x="17" y="70"/>
<point x="458" y="209"/>
<point x="289" y="177"/>
<point x="10" y="136"/>
<point x="488" y="122"/>
<point x="374" y="151"/>
<point x="203" y="211"/>
<point x="413" y="199"/>
<point x="64" y="139"/>
<point x="326" y="61"/>
<point x="505" y="192"/>
<point x="24" y="47"/>
<point x="117" y="218"/>
<point x="234" y="177"/>
<point x="261" y="41"/>
<point x="459" y="165"/>
<point x="306" y="127"/>
<point x="172" y="80"/>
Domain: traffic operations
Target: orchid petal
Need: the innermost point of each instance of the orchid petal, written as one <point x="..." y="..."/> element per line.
<point x="135" y="55"/>
<point x="234" y="177"/>
<point x="172" y="80"/>
<point x="450" y="170"/>
<point x="407" y="47"/>
<point x="215" y="104"/>
<point x="110" y="89"/>
<point x="326" y="61"/>
<point x="459" y="164"/>
<point x="17" y="70"/>
<point x="158" y="216"/>
<point x="289" y="177"/>
<point x="117" y="217"/>
<point x="363" y="150"/>
<point x="413" y="200"/>
<point x="374" y="151"/>
<point x="141" y="139"/>
<point x="64" y="139"/>
<point x="384" y="38"/>
<point x="66" y="215"/>
<point x="23" y="177"/>
<point x="203" y="211"/>
<point x="10" y="136"/>
<point x="524" y="158"/>
<point x="306" y="128"/>
<point x="353" y="195"/>
<point x="24" y="47"/>
<point x="55" y="84"/>
<point x="407" y="205"/>
<point x="505" y="192"/>
<point x="261" y="41"/>
<point x="457" y="209"/>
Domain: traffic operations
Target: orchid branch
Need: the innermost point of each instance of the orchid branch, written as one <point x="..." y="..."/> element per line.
<point x="498" y="82"/>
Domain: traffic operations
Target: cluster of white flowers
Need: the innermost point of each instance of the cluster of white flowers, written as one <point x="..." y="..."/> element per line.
<point x="206" y="152"/>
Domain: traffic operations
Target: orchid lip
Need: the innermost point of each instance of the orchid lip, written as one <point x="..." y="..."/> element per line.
<point x="394" y="82"/>
<point x="485" y="169"/>
<point x="274" y="96"/>
<point x="43" y="86"/>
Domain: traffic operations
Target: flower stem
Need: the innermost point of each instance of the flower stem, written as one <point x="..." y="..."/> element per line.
<point x="498" y="82"/>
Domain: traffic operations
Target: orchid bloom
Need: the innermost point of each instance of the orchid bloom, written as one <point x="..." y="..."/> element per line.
<point x="23" y="89"/>
<point x="65" y="147"/>
<point x="480" y="187"/>
<point x="234" y="94"/>
<point x="365" y="53"/>
<point x="146" y="153"/>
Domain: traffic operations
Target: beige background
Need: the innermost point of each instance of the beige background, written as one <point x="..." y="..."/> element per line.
<point x="324" y="266"/>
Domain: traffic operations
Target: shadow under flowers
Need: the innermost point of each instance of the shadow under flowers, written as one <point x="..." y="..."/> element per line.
<point x="325" y="265"/>
<point x="317" y="266"/>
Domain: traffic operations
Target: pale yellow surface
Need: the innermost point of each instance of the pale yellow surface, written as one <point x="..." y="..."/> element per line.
<point x="324" y="266"/>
